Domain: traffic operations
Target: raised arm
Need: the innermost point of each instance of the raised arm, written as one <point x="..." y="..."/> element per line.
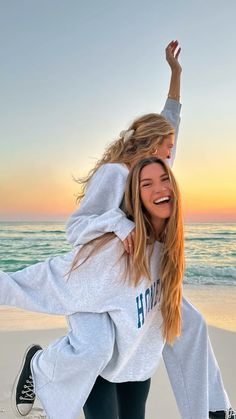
<point x="172" y="107"/>
<point x="172" y="56"/>
<point x="99" y="211"/>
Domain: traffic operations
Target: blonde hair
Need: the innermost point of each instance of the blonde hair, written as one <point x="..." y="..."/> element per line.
<point x="172" y="253"/>
<point x="145" y="134"/>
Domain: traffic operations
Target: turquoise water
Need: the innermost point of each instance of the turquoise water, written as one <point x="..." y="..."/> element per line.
<point x="210" y="249"/>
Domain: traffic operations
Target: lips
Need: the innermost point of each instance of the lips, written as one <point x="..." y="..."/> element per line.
<point x="162" y="200"/>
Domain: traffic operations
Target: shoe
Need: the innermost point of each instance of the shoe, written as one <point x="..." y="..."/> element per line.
<point x="230" y="414"/>
<point x="23" y="395"/>
<point x="221" y="414"/>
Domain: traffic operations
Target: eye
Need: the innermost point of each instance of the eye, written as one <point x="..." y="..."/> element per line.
<point x="165" y="179"/>
<point x="143" y="185"/>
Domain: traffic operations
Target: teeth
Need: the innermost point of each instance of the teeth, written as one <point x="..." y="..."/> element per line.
<point x="165" y="198"/>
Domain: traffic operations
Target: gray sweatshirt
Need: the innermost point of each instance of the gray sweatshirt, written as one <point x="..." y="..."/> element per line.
<point x="98" y="286"/>
<point x="99" y="211"/>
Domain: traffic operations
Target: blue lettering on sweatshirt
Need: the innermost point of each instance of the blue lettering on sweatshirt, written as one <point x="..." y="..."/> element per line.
<point x="146" y="302"/>
<point x="140" y="308"/>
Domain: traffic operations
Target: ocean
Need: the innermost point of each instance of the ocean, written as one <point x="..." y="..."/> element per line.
<point x="210" y="249"/>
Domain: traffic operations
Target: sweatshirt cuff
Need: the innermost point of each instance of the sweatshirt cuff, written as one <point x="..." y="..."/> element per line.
<point x="172" y="105"/>
<point x="123" y="229"/>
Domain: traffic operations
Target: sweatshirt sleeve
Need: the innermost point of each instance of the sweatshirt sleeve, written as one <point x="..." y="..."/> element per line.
<point x="171" y="112"/>
<point x="45" y="287"/>
<point x="99" y="211"/>
<point x="40" y="287"/>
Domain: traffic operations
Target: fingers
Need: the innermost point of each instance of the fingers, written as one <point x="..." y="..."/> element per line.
<point x="171" y="45"/>
<point x="126" y="245"/>
<point x="129" y="243"/>
<point x="172" y="55"/>
<point x="177" y="54"/>
<point x="171" y="48"/>
<point x="174" y="46"/>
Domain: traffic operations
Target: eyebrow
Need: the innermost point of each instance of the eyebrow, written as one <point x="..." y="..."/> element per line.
<point x="143" y="180"/>
<point x="164" y="174"/>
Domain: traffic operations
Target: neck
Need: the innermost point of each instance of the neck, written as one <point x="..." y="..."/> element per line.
<point x="159" y="226"/>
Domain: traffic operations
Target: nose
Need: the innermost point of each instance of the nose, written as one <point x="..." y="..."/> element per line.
<point x="159" y="189"/>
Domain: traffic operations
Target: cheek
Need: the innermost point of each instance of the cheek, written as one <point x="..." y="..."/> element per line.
<point x="162" y="151"/>
<point x="142" y="197"/>
<point x="145" y="198"/>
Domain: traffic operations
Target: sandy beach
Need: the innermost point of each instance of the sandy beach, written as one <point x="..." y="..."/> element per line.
<point x="217" y="305"/>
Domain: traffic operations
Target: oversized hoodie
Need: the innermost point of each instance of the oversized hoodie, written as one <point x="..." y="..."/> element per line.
<point x="98" y="286"/>
<point x="122" y="344"/>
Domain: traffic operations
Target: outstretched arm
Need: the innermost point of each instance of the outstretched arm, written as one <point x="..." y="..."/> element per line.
<point x="46" y="287"/>
<point x="40" y="287"/>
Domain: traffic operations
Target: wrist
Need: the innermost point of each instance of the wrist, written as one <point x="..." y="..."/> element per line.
<point x="173" y="96"/>
<point x="176" y="69"/>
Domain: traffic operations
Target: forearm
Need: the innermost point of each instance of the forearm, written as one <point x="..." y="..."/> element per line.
<point x="99" y="211"/>
<point x="82" y="228"/>
<point x="172" y="57"/>
<point x="174" y="88"/>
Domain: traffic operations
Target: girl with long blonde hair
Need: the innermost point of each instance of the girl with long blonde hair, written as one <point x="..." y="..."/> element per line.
<point x="198" y="394"/>
<point x="100" y="211"/>
<point x="142" y="298"/>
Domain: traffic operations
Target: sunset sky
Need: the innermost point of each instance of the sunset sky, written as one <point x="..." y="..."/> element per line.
<point x="75" y="73"/>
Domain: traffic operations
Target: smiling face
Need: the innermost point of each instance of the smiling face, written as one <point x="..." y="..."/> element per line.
<point x="156" y="193"/>
<point x="163" y="150"/>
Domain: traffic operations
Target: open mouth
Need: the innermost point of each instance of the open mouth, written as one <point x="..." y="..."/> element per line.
<point x="161" y="201"/>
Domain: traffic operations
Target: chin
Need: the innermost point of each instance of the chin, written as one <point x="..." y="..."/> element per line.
<point x="165" y="212"/>
<point x="164" y="215"/>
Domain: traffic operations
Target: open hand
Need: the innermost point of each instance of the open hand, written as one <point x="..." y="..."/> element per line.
<point x="172" y="55"/>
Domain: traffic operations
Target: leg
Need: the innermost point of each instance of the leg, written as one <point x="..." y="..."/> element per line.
<point x="66" y="371"/>
<point x="132" y="397"/>
<point x="192" y="368"/>
<point x="102" y="401"/>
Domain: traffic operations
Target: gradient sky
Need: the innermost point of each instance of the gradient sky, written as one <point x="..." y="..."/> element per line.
<point x="75" y="73"/>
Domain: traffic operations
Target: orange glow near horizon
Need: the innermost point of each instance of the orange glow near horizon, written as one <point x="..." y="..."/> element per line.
<point x="26" y="194"/>
<point x="58" y="200"/>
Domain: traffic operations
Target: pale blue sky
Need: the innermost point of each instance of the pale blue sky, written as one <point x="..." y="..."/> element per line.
<point x="74" y="74"/>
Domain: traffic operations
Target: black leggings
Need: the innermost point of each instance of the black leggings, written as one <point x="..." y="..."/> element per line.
<point x="117" y="400"/>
